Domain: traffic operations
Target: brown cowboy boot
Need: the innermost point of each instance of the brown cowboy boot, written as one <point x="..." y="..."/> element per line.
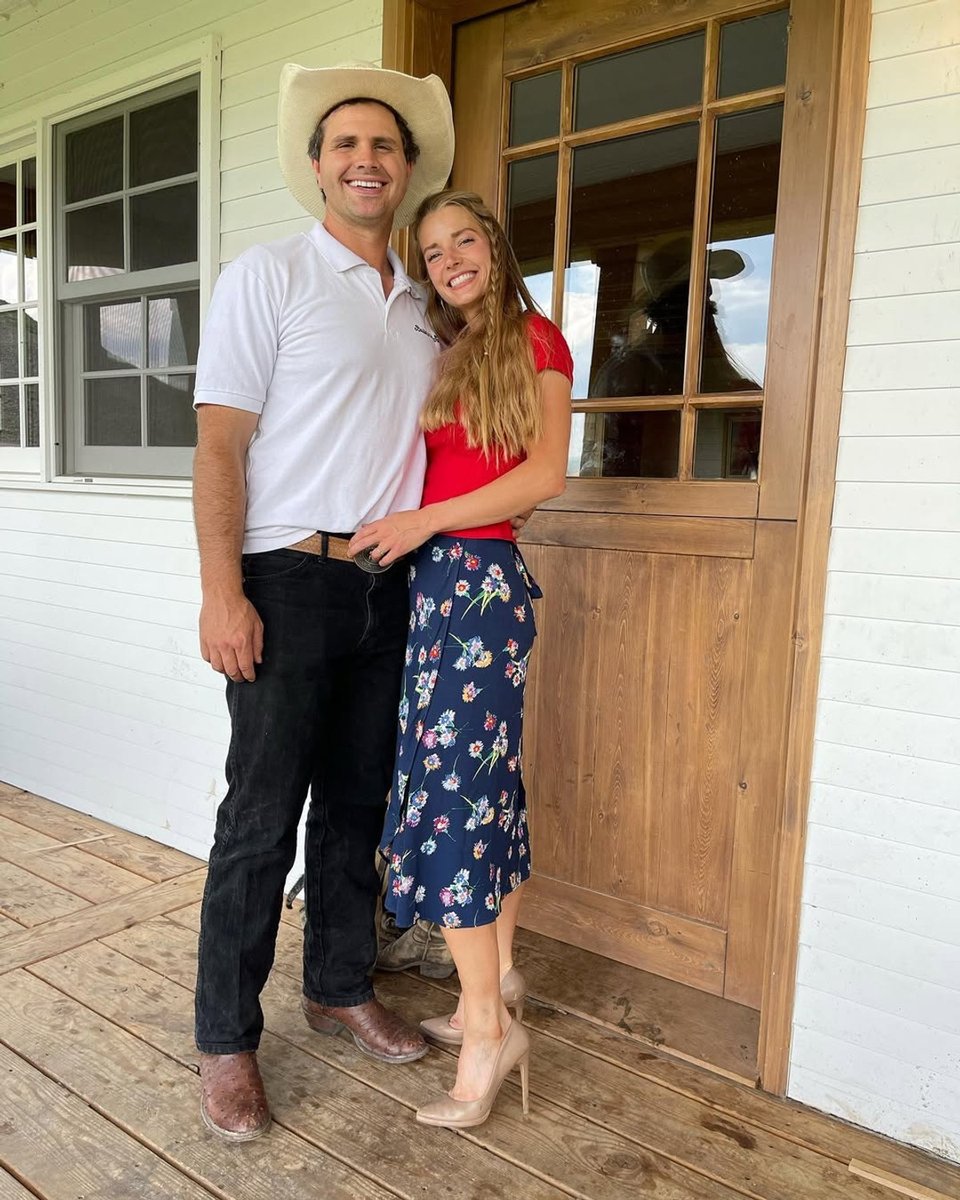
<point x="376" y="1030"/>
<point x="422" y="946"/>
<point x="233" y="1104"/>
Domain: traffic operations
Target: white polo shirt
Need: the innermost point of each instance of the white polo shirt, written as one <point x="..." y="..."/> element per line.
<point x="299" y="332"/>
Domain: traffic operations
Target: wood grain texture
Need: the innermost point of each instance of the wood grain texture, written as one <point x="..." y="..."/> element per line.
<point x="720" y="537"/>
<point x="71" y="868"/>
<point x="477" y="101"/>
<point x="11" y="1190"/>
<point x="30" y="901"/>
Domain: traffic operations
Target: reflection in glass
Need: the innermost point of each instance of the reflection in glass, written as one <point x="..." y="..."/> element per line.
<point x="94" y="161"/>
<point x="628" y="276"/>
<point x="639" y="82"/>
<point x="740" y="250"/>
<point x="29" y="174"/>
<point x="642" y="444"/>
<point x="535" y="108"/>
<point x="727" y="444"/>
<point x="163" y="140"/>
<point x="163" y="227"/>
<point x="173" y="330"/>
<point x="31" y="346"/>
<point x="8" y="196"/>
<point x="31" y="404"/>
<point x="95" y="241"/>
<point x="531" y="221"/>
<point x="9" y="276"/>
<point x="29" y="243"/>
<point x="9" y="346"/>
<point x="753" y="54"/>
<point x="10" y="415"/>
<point x="171" y="420"/>
<point x="112" y="412"/>
<point x="112" y="338"/>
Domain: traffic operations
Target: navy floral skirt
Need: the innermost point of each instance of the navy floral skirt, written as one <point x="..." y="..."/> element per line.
<point x="456" y="830"/>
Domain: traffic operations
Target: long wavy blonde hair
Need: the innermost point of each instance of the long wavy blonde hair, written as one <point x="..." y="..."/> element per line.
<point x="486" y="366"/>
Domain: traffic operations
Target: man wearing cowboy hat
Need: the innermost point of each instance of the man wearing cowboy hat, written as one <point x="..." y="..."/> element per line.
<point x="315" y="360"/>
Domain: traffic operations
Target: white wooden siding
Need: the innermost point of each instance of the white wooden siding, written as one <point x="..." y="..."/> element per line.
<point x="105" y="704"/>
<point x="877" y="1024"/>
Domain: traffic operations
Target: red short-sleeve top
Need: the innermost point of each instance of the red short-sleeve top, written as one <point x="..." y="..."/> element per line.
<point x="454" y="468"/>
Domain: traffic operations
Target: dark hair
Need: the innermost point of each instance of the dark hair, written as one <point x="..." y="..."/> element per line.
<point x="411" y="151"/>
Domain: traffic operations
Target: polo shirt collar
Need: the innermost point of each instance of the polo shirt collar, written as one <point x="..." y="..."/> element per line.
<point x="341" y="258"/>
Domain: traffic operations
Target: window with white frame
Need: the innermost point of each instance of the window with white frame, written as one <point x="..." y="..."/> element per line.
<point x="127" y="285"/>
<point x="19" y="343"/>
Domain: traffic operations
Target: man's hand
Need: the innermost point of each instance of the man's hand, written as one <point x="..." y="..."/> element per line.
<point x="392" y="537"/>
<point x="231" y="636"/>
<point x="521" y="519"/>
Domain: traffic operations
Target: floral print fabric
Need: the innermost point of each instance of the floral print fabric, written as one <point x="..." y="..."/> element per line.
<point x="455" y="836"/>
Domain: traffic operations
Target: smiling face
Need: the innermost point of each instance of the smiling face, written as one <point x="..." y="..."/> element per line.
<point x="456" y="251"/>
<point x="361" y="168"/>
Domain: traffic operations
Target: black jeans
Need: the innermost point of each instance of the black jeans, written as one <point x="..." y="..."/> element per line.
<point x="322" y="714"/>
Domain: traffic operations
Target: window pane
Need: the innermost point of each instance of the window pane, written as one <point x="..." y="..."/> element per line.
<point x="639" y="82"/>
<point x="163" y="140"/>
<point x="95" y="241"/>
<point x="532" y="220"/>
<point x="535" y="108"/>
<point x="10" y="415"/>
<point x="31" y="396"/>
<point x="628" y="279"/>
<point x="29" y="175"/>
<point x="753" y="54"/>
<point x="740" y="251"/>
<point x="8" y="196"/>
<point x="163" y="227"/>
<point x="94" y="161"/>
<point x="112" y="412"/>
<point x="29" y="243"/>
<point x="174" y="330"/>
<point x="171" y="420"/>
<point x="112" y="336"/>
<point x="727" y="443"/>
<point x="31" y="349"/>
<point x="9" y="346"/>
<point x="623" y="444"/>
<point x="9" y="281"/>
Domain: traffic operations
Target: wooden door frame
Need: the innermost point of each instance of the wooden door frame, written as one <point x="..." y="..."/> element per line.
<point x="418" y="38"/>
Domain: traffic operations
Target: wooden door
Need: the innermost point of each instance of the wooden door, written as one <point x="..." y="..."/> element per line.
<point x="663" y="185"/>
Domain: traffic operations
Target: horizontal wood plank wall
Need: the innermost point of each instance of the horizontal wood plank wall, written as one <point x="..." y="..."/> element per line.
<point x="877" y="1019"/>
<point x="105" y="704"/>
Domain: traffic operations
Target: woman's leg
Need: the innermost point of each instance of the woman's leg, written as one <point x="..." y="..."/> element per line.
<point x="505" y="926"/>
<point x="485" y="1019"/>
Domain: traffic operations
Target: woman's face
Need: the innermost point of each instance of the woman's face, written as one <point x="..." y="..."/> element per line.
<point x="457" y="254"/>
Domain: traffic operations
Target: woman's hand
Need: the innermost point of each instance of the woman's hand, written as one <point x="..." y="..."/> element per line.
<point x="392" y="537"/>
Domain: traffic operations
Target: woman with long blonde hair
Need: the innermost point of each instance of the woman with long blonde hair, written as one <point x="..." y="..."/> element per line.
<point x="497" y="427"/>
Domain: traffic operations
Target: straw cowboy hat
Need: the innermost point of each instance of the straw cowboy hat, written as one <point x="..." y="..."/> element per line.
<point x="308" y="94"/>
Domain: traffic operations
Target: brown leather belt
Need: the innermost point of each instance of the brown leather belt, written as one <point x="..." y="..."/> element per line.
<point x="335" y="547"/>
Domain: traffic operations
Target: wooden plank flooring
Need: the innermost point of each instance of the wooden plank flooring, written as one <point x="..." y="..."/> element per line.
<point x="100" y="1094"/>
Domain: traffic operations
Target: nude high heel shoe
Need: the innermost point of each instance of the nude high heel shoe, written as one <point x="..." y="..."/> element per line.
<point x="513" y="990"/>
<point x="464" y="1114"/>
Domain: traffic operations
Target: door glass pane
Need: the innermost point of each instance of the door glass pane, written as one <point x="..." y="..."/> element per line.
<point x="535" y="108"/>
<point x="623" y="444"/>
<point x="628" y="278"/>
<point x="740" y="251"/>
<point x="171" y="420"/>
<point x="9" y="345"/>
<point x="31" y="397"/>
<point x="29" y="243"/>
<point x="163" y="227"/>
<point x="174" y="330"/>
<point x="8" y="196"/>
<point x="639" y="82"/>
<point x="163" y="140"/>
<point x="727" y="444"/>
<point x="10" y="415"/>
<point x="112" y="412"/>
<point x="531" y="221"/>
<point x="753" y="54"/>
<point x="95" y="241"/>
<point x="9" y="276"/>
<point x="94" y="161"/>
<point x="112" y="336"/>
<point x="29" y="174"/>
<point x="31" y="348"/>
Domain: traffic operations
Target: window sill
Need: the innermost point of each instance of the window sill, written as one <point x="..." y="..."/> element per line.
<point x="174" y="488"/>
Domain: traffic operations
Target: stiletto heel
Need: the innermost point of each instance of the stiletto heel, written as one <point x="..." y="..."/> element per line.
<point x="525" y="1082"/>
<point x="518" y="1008"/>
<point x="463" y="1114"/>
<point x="513" y="991"/>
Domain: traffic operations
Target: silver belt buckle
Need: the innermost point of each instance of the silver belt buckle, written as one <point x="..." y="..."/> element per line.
<point x="366" y="563"/>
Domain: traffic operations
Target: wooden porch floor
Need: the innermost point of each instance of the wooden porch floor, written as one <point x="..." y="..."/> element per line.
<point x="99" y="1094"/>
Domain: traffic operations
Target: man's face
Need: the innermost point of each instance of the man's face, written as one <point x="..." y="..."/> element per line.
<point x="361" y="168"/>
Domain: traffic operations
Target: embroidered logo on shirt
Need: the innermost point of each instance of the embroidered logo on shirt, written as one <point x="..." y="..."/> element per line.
<point x="432" y="336"/>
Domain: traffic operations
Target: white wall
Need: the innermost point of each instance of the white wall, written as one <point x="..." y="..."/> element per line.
<point x="877" y="1027"/>
<point x="105" y="704"/>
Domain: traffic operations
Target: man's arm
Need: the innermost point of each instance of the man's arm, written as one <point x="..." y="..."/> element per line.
<point x="231" y="632"/>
